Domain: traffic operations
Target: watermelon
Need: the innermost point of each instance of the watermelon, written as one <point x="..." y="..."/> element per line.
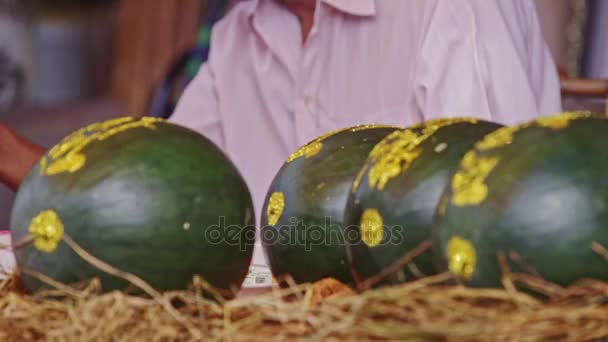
<point x="537" y="194"/>
<point x="143" y="195"/>
<point x="392" y="204"/>
<point x="302" y="233"/>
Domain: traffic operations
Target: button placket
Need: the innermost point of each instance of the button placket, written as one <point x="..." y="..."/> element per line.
<point x="308" y="115"/>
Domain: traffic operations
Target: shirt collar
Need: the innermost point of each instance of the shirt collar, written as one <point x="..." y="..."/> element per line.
<point x="363" y="8"/>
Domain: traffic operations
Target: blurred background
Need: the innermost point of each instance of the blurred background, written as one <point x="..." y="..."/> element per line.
<point x="67" y="63"/>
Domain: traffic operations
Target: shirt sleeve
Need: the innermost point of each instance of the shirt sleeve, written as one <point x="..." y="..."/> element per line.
<point x="198" y="107"/>
<point x="486" y="59"/>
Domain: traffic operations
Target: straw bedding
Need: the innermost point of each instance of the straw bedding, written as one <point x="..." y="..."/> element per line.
<point x="432" y="308"/>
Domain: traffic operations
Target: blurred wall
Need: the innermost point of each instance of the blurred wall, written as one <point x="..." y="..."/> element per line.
<point x="72" y="57"/>
<point x="151" y="36"/>
<point x="596" y="54"/>
<point x="15" y="60"/>
<point x="554" y="16"/>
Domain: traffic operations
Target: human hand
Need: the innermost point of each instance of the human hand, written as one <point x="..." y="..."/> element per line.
<point x="17" y="157"/>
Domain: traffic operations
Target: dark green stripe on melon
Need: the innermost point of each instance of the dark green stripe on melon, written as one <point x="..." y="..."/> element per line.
<point x="302" y="231"/>
<point x="162" y="203"/>
<point x="391" y="210"/>
<point x="541" y="201"/>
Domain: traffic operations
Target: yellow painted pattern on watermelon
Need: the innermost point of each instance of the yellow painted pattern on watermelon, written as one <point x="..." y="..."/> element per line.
<point x="500" y="137"/>
<point x="307" y="151"/>
<point x="561" y="121"/>
<point x="442" y="207"/>
<point x="47" y="230"/>
<point x="370" y="126"/>
<point x="394" y="155"/>
<point x="462" y="257"/>
<point x="68" y="155"/>
<point x="276" y="205"/>
<point x="359" y="178"/>
<point x="468" y="185"/>
<point x="314" y="147"/>
<point x="372" y="227"/>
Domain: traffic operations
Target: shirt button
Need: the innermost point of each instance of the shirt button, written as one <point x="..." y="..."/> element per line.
<point x="308" y="99"/>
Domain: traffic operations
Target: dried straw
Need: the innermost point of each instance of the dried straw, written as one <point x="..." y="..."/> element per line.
<point x="431" y="308"/>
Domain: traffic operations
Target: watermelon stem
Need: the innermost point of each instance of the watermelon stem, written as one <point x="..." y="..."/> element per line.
<point x="24" y="242"/>
<point x="532" y="281"/>
<point x="396" y="266"/>
<point x="133" y="279"/>
<point x="507" y="281"/>
<point x="599" y="249"/>
<point x="52" y="282"/>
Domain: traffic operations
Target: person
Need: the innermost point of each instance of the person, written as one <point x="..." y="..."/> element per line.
<point x="282" y="72"/>
<point x="17" y="157"/>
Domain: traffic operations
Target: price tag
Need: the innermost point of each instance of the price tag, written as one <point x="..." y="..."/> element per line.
<point x="258" y="276"/>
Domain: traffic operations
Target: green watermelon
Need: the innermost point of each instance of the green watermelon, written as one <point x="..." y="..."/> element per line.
<point x="302" y="231"/>
<point x="392" y="205"/>
<point x="535" y="193"/>
<point x="148" y="197"/>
